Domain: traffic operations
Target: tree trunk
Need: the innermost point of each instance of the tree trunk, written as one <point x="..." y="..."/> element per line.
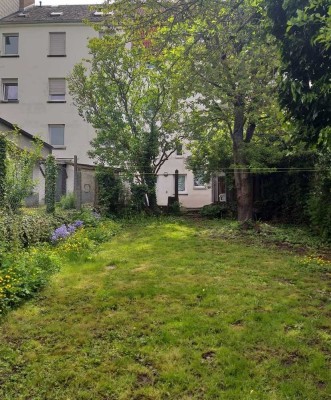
<point x="150" y="181"/>
<point x="242" y="177"/>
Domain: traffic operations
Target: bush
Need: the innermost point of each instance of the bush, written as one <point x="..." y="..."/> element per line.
<point x="215" y="211"/>
<point x="138" y="198"/>
<point x="319" y="206"/>
<point x="25" y="272"/>
<point x="77" y="247"/>
<point x="27" y="230"/>
<point x="67" y="202"/>
<point x="103" y="232"/>
<point x="88" y="216"/>
<point x="174" y="208"/>
<point x="110" y="191"/>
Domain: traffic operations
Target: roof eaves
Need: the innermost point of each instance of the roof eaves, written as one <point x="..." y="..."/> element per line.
<point x="23" y="132"/>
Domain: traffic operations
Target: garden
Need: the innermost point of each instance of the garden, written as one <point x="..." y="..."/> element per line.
<point x="168" y="308"/>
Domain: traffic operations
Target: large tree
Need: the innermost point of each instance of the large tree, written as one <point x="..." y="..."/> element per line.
<point x="127" y="95"/>
<point x="227" y="66"/>
<point x="303" y="28"/>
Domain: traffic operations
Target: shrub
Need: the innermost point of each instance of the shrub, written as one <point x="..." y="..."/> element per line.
<point x="174" y="208"/>
<point x="25" y="272"/>
<point x="138" y="198"/>
<point x="319" y="208"/>
<point x="77" y="247"/>
<point x="213" y="210"/>
<point x="110" y="191"/>
<point x="26" y="230"/>
<point x="103" y="232"/>
<point x="67" y="202"/>
<point x="88" y="216"/>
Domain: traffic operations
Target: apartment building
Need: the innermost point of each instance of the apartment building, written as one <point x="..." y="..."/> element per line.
<point x="40" y="46"/>
<point x="8" y="7"/>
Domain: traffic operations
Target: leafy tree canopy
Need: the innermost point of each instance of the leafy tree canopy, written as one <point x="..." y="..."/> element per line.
<point x="303" y="28"/>
<point x="226" y="77"/>
<point x="129" y="98"/>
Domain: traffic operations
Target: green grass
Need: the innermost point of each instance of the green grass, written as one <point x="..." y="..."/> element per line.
<point x="174" y="310"/>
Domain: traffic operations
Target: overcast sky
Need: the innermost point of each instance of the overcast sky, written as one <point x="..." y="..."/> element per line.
<point x="63" y="2"/>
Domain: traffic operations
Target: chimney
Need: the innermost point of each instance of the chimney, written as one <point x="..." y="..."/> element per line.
<point x="26" y="3"/>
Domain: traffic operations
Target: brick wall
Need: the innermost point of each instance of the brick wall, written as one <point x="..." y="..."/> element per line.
<point x="25" y="3"/>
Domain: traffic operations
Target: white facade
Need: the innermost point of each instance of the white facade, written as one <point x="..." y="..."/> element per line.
<point x="27" y="78"/>
<point x="33" y="69"/>
<point x="191" y="193"/>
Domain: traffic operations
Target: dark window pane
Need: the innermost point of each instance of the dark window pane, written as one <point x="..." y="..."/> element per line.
<point x="11" y="44"/>
<point x="56" y="135"/>
<point x="10" y="91"/>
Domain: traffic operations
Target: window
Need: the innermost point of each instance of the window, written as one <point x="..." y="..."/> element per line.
<point x="10" y="44"/>
<point x="181" y="183"/>
<point x="198" y="180"/>
<point x="56" y="135"/>
<point x="57" y="89"/>
<point x="10" y="90"/>
<point x="57" y="44"/>
<point x="179" y="149"/>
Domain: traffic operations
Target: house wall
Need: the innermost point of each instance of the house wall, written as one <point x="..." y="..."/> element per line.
<point x="8" y="7"/>
<point x="26" y="143"/>
<point x="193" y="197"/>
<point x="33" y="113"/>
<point x="33" y="69"/>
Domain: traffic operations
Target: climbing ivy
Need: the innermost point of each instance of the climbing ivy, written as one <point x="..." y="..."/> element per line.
<point x="3" y="149"/>
<point x="50" y="183"/>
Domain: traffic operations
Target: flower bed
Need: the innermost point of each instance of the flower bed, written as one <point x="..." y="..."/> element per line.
<point x="24" y="271"/>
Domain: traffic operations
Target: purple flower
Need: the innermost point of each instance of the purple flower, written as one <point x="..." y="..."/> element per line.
<point x="71" y="228"/>
<point x="64" y="231"/>
<point x="78" y="224"/>
<point x="60" y="233"/>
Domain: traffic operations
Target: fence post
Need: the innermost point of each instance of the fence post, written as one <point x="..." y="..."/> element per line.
<point x="176" y="186"/>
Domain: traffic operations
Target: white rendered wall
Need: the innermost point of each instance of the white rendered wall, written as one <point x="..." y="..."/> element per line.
<point x="33" y="69"/>
<point x="193" y="197"/>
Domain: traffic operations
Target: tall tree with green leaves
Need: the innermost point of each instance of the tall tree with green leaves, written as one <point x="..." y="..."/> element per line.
<point x="127" y="95"/>
<point x="303" y="30"/>
<point x="226" y="74"/>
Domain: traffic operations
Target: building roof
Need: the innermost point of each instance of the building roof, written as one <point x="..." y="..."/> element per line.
<point x="23" y="133"/>
<point x="61" y="14"/>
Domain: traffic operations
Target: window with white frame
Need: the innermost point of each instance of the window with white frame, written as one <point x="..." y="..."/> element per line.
<point x="57" y="89"/>
<point x="198" y="180"/>
<point x="10" y="90"/>
<point x="10" y="44"/>
<point x="57" y="44"/>
<point x="56" y="135"/>
<point x="181" y="183"/>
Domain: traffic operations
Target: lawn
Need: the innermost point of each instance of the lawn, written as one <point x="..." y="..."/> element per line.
<point x="174" y="309"/>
